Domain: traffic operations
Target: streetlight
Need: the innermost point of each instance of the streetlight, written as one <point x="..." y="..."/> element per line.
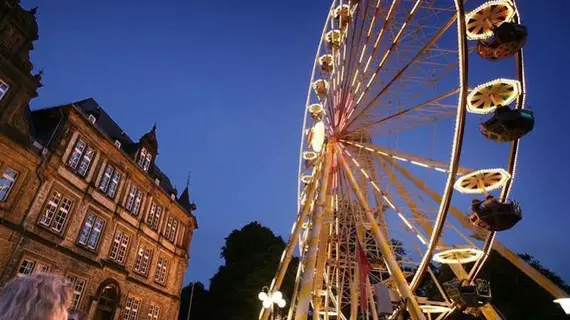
<point x="271" y="298"/>
<point x="564" y="303"/>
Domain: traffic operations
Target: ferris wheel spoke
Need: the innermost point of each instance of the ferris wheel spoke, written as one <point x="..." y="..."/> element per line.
<point x="398" y="74"/>
<point x="429" y="111"/>
<point x="436" y="165"/>
<point x="385" y="248"/>
<point x="387" y="21"/>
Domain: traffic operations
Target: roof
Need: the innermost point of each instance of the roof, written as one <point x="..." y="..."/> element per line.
<point x="46" y="121"/>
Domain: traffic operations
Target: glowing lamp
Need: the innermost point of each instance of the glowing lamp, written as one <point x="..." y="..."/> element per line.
<point x="277" y="296"/>
<point x="317" y="138"/>
<point x="565" y="304"/>
<point x="267" y="303"/>
<point x="281" y="303"/>
<point x="262" y="296"/>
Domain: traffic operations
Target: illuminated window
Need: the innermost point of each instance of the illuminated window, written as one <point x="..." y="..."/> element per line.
<point x="119" y="247"/>
<point x="170" y="230"/>
<point x="91" y="231"/>
<point x="134" y="200"/>
<point x="161" y="271"/>
<point x="78" y="286"/>
<point x="131" y="308"/>
<point x="154" y="216"/>
<point x="7" y="181"/>
<point x="3" y="89"/>
<point x="56" y="212"/>
<point x="110" y="181"/>
<point x="153" y="311"/>
<point x="80" y="158"/>
<point x="144" y="159"/>
<point x="142" y="262"/>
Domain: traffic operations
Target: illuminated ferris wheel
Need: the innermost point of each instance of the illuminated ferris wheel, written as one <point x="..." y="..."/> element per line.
<point x="410" y="140"/>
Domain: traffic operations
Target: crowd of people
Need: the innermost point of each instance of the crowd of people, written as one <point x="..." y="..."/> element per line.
<point x="40" y="296"/>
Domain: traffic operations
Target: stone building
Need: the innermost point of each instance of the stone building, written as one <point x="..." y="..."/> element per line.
<point x="80" y="198"/>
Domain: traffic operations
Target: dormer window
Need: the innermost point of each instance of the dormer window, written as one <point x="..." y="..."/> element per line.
<point x="144" y="159"/>
<point x="92" y="118"/>
<point x="118" y="144"/>
<point x="3" y="88"/>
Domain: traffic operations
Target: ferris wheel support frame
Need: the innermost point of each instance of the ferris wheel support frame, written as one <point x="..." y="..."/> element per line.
<point x="307" y="281"/>
<point x="391" y="263"/>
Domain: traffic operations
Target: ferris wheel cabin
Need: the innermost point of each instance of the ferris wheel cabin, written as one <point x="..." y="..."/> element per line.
<point x="506" y="41"/>
<point x="508" y="124"/>
<point x="494" y="215"/>
<point x="469" y="295"/>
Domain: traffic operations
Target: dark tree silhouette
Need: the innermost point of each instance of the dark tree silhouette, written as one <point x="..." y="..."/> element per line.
<point x="251" y="256"/>
<point x="200" y="302"/>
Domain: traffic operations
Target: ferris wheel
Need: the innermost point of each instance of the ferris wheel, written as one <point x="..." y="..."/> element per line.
<point x="409" y="147"/>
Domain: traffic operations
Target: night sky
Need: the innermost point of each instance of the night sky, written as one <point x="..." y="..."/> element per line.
<point x="226" y="83"/>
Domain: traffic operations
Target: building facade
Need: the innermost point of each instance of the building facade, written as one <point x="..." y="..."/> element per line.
<point x="80" y="198"/>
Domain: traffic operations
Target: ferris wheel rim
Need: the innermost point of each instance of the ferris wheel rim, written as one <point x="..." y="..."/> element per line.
<point x="458" y="134"/>
<point x="462" y="62"/>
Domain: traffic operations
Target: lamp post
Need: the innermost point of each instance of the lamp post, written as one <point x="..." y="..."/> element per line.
<point x="269" y="299"/>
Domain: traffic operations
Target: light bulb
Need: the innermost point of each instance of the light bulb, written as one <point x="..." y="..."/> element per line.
<point x="267" y="304"/>
<point x="277" y="295"/>
<point x="262" y="296"/>
<point x="281" y="303"/>
<point x="565" y="304"/>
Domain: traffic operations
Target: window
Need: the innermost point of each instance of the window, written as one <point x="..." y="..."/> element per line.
<point x="170" y="231"/>
<point x="80" y="158"/>
<point x="174" y="228"/>
<point x="7" y="182"/>
<point x="142" y="262"/>
<point x="144" y="159"/>
<point x="154" y="216"/>
<point x="131" y="309"/>
<point x="153" y="311"/>
<point x="161" y="271"/>
<point x="92" y="118"/>
<point x="119" y="247"/>
<point x="78" y="285"/>
<point x="134" y="200"/>
<point x="168" y="228"/>
<point x="56" y="212"/>
<point x="91" y="231"/>
<point x="110" y="181"/>
<point x="29" y="266"/>
<point x="26" y="267"/>
<point x="117" y="143"/>
<point x="3" y="89"/>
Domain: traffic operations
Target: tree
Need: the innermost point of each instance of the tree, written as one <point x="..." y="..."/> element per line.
<point x="516" y="295"/>
<point x="200" y="302"/>
<point x="251" y="257"/>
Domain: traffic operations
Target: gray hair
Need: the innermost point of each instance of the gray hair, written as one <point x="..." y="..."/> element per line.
<point x="36" y="297"/>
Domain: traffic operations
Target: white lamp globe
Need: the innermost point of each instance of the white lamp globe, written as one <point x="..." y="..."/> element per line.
<point x="277" y="295"/>
<point x="267" y="304"/>
<point x="262" y="296"/>
<point x="281" y="303"/>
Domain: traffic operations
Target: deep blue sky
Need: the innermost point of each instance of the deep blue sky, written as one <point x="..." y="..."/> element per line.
<point x="226" y="82"/>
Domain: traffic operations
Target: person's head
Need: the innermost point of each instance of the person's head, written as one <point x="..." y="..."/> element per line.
<point x="39" y="296"/>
